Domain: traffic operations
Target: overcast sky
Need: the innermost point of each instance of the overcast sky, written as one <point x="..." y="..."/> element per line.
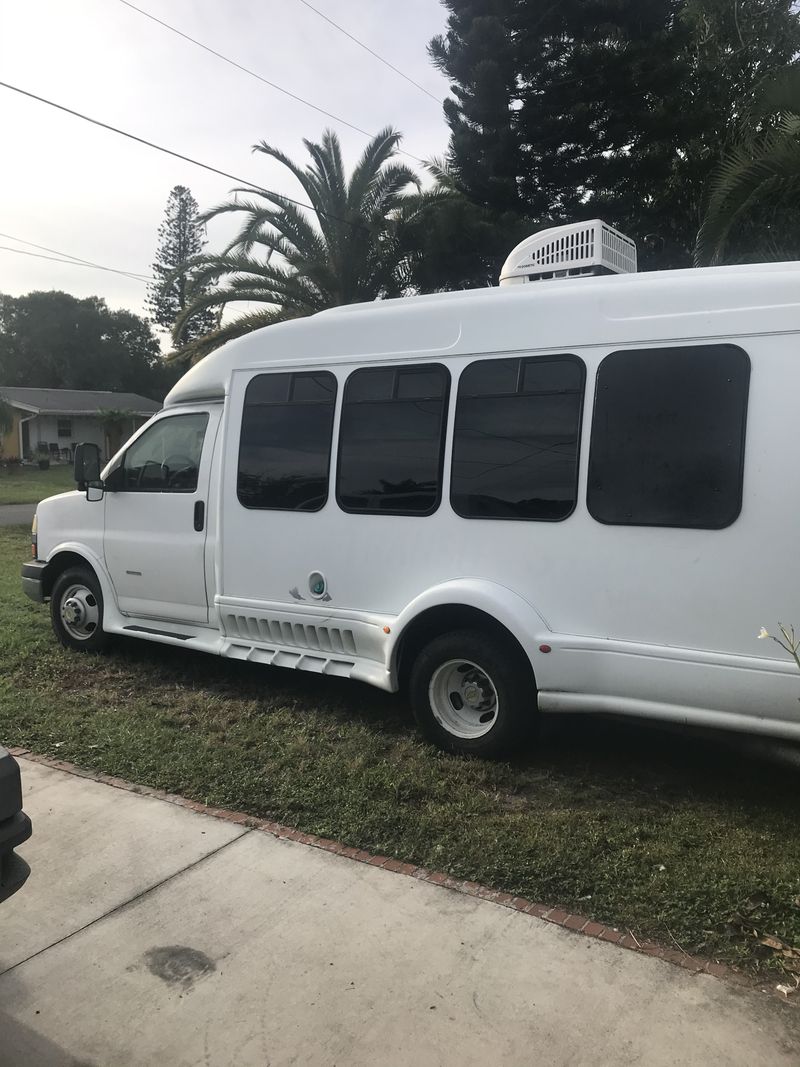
<point x="90" y="193"/>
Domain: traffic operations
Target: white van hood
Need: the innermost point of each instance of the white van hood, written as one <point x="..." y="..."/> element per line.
<point x="69" y="521"/>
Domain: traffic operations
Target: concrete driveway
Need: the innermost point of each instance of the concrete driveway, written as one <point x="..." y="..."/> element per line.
<point x="152" y="935"/>
<point x="17" y="514"/>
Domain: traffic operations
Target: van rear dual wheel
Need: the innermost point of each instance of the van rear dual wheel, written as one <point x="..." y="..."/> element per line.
<point x="76" y="610"/>
<point x="472" y="694"/>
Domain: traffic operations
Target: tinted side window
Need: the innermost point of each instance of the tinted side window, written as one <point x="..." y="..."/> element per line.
<point x="668" y="437"/>
<point x="285" y="447"/>
<point x="391" y="444"/>
<point x="516" y="438"/>
<point x="166" y="458"/>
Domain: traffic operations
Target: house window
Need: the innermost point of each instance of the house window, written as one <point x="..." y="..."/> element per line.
<point x="668" y="437"/>
<point x="65" y="428"/>
<point x="516" y="439"/>
<point x="285" y="447"/>
<point x="391" y="443"/>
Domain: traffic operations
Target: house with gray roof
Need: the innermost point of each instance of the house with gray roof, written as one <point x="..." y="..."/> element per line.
<point x="50" y="422"/>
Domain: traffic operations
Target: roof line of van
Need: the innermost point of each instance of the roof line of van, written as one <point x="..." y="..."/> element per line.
<point x="623" y="309"/>
<point x="638" y="278"/>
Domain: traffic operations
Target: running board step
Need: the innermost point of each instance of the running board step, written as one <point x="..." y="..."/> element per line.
<point x="282" y="657"/>
<point x="158" y="633"/>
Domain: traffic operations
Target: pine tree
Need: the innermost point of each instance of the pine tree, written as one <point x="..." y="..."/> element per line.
<point x="611" y="108"/>
<point x="180" y="238"/>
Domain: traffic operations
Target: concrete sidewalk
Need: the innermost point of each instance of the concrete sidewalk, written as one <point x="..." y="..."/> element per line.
<point x="17" y="514"/>
<point x="151" y="935"/>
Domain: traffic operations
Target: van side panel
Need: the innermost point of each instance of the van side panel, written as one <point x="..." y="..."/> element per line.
<point x="702" y="594"/>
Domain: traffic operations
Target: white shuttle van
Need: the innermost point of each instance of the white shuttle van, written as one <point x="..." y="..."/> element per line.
<point x="576" y="492"/>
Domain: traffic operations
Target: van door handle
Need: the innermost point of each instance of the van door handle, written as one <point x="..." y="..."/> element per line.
<point x="199" y="515"/>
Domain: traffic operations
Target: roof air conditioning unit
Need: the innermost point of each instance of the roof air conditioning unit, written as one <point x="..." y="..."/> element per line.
<point x="574" y="251"/>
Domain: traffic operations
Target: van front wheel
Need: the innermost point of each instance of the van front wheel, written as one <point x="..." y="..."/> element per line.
<point x="472" y="695"/>
<point x="76" y="610"/>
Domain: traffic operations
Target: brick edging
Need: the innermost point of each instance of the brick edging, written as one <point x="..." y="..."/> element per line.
<point x="558" y="916"/>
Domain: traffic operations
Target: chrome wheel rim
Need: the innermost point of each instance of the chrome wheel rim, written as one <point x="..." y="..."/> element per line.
<point x="80" y="612"/>
<point x="463" y="699"/>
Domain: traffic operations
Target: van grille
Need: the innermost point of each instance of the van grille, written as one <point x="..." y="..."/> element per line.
<point x="291" y="634"/>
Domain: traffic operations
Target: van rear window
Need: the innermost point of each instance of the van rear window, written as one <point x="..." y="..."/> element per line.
<point x="285" y="446"/>
<point x="668" y="432"/>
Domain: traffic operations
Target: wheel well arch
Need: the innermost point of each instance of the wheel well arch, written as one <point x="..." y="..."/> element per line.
<point x="61" y="562"/>
<point x="440" y="619"/>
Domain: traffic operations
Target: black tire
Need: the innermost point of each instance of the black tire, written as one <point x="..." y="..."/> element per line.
<point x="78" y="585"/>
<point x="505" y="709"/>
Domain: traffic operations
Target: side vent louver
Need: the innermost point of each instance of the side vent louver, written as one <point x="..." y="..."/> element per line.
<point x="291" y="635"/>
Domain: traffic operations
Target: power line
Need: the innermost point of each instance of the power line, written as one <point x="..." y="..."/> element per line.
<point x="73" y="263"/>
<point x="78" y="259"/>
<point x="177" y="155"/>
<point x="259" y="77"/>
<point x="366" y="48"/>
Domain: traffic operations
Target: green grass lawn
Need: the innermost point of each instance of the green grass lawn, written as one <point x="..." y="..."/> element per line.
<point x="29" y="485"/>
<point x="687" y="840"/>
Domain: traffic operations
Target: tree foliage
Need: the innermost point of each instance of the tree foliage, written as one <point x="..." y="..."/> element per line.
<point x="756" y="188"/>
<point x="53" y="340"/>
<point x="612" y="108"/>
<point x="290" y="262"/>
<point x="455" y="243"/>
<point x="180" y="239"/>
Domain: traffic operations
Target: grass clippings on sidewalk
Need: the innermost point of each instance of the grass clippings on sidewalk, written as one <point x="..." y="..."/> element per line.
<point x="683" y="839"/>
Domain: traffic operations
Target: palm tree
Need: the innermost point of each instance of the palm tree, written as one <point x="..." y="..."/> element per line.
<point x="761" y="171"/>
<point x="114" y="422"/>
<point x="350" y="249"/>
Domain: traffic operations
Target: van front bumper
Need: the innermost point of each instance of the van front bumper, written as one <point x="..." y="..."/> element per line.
<point x="33" y="580"/>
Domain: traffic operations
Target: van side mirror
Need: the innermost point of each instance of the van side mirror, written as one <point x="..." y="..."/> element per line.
<point x="86" y="467"/>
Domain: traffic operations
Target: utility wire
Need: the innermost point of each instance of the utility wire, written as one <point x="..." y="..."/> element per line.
<point x="78" y="259"/>
<point x="367" y="48"/>
<point x="259" y="77"/>
<point x="177" y="155"/>
<point x="74" y="263"/>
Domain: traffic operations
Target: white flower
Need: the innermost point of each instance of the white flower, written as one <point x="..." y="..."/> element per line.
<point x="763" y="633"/>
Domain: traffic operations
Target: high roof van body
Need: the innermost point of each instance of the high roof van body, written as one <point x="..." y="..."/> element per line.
<point x="576" y="495"/>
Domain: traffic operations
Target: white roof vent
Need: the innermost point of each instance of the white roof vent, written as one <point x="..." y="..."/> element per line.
<point x="582" y="248"/>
